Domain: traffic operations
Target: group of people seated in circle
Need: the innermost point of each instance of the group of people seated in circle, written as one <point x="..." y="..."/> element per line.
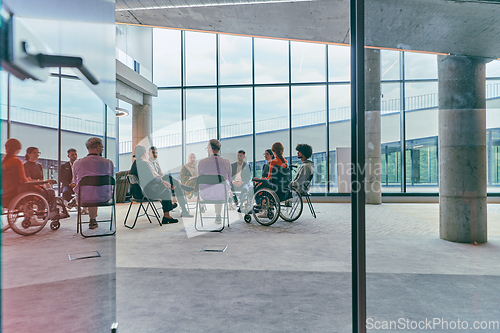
<point x="19" y="177"/>
<point x="157" y="185"/>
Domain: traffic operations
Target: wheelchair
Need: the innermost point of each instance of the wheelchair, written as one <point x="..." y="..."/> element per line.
<point x="275" y="198"/>
<point x="29" y="206"/>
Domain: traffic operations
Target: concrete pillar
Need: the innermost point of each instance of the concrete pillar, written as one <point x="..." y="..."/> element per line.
<point x="462" y="149"/>
<point x="372" y="127"/>
<point x="141" y="123"/>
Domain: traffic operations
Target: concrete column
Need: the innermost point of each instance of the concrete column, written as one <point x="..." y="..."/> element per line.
<point x="462" y="149"/>
<point x="141" y="123"/>
<point x="372" y="127"/>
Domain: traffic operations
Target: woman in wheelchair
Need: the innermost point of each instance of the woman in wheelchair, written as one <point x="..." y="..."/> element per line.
<point x="275" y="166"/>
<point x="277" y="180"/>
<point x="28" y="202"/>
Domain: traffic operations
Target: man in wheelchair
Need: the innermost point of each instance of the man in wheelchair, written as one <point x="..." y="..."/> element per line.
<point x="29" y="204"/>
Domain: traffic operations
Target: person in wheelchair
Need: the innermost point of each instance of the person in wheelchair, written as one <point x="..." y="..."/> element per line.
<point x="301" y="180"/>
<point x="34" y="171"/>
<point x="15" y="183"/>
<point x="277" y="178"/>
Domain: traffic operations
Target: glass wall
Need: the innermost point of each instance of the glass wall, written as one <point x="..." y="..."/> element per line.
<point x="251" y="92"/>
<point x="54" y="115"/>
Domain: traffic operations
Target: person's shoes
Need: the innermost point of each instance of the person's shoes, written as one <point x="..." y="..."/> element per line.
<point x="93" y="224"/>
<point x="167" y="220"/>
<point x="185" y="213"/>
<point x="203" y="209"/>
<point x="187" y="188"/>
<point x="218" y="219"/>
<point x="263" y="214"/>
<point x="72" y="203"/>
<point x="239" y="209"/>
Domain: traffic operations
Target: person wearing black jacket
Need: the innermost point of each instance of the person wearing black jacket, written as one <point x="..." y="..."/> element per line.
<point x="241" y="175"/>
<point x="66" y="175"/>
<point x="154" y="187"/>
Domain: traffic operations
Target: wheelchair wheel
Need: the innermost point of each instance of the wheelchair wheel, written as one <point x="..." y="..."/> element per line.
<point x="291" y="209"/>
<point x="28" y="213"/>
<point x="265" y="206"/>
<point x="5" y="221"/>
<point x="54" y="225"/>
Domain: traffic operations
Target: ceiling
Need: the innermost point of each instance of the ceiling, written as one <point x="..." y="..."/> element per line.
<point x="441" y="26"/>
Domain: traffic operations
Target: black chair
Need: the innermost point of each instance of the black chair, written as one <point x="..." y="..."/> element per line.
<point x="211" y="180"/>
<point x="96" y="181"/>
<point x="132" y="179"/>
<point x="307" y="195"/>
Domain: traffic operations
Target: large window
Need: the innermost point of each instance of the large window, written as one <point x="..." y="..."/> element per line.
<point x="251" y="92"/>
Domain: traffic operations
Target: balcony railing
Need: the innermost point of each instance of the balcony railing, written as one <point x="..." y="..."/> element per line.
<point x="71" y="123"/>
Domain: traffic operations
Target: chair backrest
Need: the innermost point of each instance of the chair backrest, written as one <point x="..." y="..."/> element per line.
<point x="97" y="194"/>
<point x="215" y="184"/>
<point x="96" y="181"/>
<point x="280" y="179"/>
<point x="136" y="190"/>
<point x="209" y="180"/>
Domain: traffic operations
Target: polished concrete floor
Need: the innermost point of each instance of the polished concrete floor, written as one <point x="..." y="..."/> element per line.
<point x="289" y="277"/>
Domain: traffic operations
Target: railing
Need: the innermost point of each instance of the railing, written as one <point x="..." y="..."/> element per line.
<point x="70" y="123"/>
<point x="50" y="120"/>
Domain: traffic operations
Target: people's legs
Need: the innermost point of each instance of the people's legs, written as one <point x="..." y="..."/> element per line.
<point x="178" y="192"/>
<point x="166" y="204"/>
<point x="93" y="212"/>
<point x="218" y="209"/>
<point x="67" y="193"/>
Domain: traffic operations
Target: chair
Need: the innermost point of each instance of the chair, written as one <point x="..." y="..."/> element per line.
<point x="132" y="179"/>
<point x="96" y="181"/>
<point x="307" y="195"/>
<point x="211" y="180"/>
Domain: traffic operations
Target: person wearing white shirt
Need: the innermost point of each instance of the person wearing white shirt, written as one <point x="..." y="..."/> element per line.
<point x="176" y="185"/>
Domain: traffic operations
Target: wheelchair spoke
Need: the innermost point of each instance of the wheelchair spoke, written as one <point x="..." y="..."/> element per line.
<point x="291" y="209"/>
<point x="28" y="213"/>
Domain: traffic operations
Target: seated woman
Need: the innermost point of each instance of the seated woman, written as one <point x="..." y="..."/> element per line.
<point x="270" y="181"/>
<point x="189" y="172"/>
<point x="154" y="187"/>
<point x="14" y="176"/>
<point x="34" y="170"/>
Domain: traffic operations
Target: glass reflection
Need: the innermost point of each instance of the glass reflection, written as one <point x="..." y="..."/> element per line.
<point x="271" y="60"/>
<point x="200" y="58"/>
<point x="308" y="62"/>
<point x="235" y="59"/>
<point x="166" y="57"/>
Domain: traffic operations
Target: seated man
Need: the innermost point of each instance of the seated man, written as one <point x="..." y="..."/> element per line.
<point x="66" y="178"/>
<point x="241" y="176"/>
<point x="174" y="183"/>
<point x="154" y="187"/>
<point x="93" y="165"/>
<point x="301" y="180"/>
<point x="214" y="165"/>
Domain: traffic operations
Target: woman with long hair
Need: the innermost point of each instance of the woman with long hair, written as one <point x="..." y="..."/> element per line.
<point x="278" y="161"/>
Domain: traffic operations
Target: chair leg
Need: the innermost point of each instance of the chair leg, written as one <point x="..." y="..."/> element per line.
<point x="126" y="217"/>
<point x="311" y="208"/>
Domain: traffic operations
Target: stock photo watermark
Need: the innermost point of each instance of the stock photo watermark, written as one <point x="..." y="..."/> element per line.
<point x="428" y="324"/>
